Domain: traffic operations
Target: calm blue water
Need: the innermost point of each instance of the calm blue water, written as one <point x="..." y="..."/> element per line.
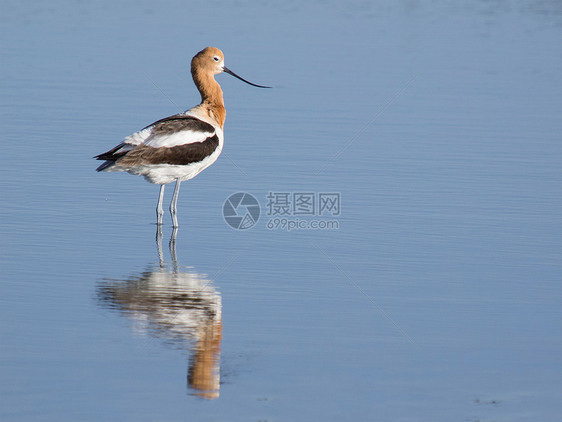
<point x="437" y="294"/>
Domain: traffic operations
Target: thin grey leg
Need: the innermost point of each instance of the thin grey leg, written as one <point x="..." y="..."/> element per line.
<point x="159" y="209"/>
<point x="174" y="204"/>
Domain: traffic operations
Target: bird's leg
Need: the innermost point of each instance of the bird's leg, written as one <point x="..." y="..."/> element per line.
<point x="159" y="209"/>
<point x="174" y="204"/>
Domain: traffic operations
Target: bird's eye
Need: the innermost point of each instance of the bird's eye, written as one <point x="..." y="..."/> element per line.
<point x="217" y="58"/>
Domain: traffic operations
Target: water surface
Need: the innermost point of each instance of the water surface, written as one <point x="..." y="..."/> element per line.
<point x="436" y="298"/>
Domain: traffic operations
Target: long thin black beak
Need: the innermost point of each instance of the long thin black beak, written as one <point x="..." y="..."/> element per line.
<point x="230" y="72"/>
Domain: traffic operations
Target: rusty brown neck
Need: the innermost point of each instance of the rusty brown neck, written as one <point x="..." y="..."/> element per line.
<point x="211" y="95"/>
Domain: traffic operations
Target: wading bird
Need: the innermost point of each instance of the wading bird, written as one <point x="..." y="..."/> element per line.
<point x="181" y="146"/>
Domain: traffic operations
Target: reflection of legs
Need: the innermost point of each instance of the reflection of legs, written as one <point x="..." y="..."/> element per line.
<point x="172" y="246"/>
<point x="159" y="209"/>
<point x="159" y="243"/>
<point x="174" y="204"/>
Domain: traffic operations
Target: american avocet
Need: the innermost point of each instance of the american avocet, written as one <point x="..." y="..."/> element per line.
<point x="181" y="146"/>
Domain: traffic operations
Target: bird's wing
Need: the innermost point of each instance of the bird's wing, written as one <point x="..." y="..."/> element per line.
<point x="176" y="140"/>
<point x="174" y="131"/>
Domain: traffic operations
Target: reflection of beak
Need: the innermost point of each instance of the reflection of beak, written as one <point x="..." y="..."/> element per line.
<point x="230" y="72"/>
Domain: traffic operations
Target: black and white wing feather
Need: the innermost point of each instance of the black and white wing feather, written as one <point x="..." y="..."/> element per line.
<point x="179" y="140"/>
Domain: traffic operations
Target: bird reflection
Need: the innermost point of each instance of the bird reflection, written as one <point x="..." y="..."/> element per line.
<point x="178" y="306"/>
